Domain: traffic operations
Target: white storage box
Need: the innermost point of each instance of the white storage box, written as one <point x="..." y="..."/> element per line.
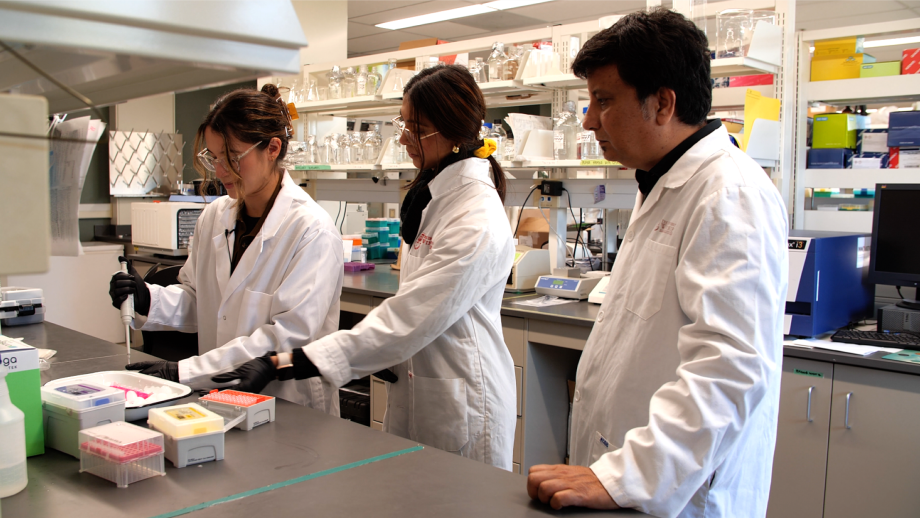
<point x="19" y="306"/>
<point x="194" y="449"/>
<point x="162" y="392"/>
<point x="185" y="420"/>
<point x="67" y="409"/>
<point x="257" y="408"/>
<point x="122" y="452"/>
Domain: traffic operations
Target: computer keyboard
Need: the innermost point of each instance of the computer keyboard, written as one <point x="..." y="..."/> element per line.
<point x="894" y="340"/>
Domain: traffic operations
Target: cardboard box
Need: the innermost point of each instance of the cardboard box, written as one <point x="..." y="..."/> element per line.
<point x="904" y="129"/>
<point x="754" y="80"/>
<point x="870" y="161"/>
<point x="840" y="158"/>
<point x="25" y="384"/>
<point x="839" y="46"/>
<point x="874" y="140"/>
<point x="883" y="69"/>
<point x="910" y="61"/>
<point x="910" y="159"/>
<point x="834" y="130"/>
<point x="409" y="64"/>
<point x="830" y="68"/>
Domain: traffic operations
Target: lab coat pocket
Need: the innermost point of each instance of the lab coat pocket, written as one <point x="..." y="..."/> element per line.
<point x="599" y="446"/>
<point x="255" y="311"/>
<point x="646" y="288"/>
<point x="440" y="412"/>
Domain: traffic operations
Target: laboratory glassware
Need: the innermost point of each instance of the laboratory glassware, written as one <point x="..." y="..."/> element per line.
<point x="348" y="83"/>
<point x="565" y="129"/>
<point x="497" y="61"/>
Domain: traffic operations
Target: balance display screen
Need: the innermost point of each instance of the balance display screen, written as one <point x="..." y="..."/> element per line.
<point x="558" y="284"/>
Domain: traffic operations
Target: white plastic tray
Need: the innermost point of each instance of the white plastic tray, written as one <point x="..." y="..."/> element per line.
<point x="132" y="380"/>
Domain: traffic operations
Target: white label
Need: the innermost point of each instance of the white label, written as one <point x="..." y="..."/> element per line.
<point x="558" y="140"/>
<point x="867" y="163"/>
<point x="874" y="143"/>
<point x="909" y="158"/>
<point x="862" y="252"/>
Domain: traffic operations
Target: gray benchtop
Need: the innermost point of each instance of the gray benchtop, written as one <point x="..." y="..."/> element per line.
<point x="334" y="467"/>
<point x="383" y="282"/>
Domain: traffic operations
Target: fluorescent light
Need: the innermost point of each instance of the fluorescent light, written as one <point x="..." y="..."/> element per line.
<point x="895" y="41"/>
<point x="501" y="5"/>
<point x="440" y="16"/>
<point x="461" y="12"/>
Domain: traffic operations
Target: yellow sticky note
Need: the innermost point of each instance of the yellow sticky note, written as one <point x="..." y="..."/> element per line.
<point x="756" y="106"/>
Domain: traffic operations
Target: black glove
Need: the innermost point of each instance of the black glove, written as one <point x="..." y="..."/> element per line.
<point x="387" y="375"/>
<point x="254" y="375"/>
<point x="124" y="284"/>
<point x="161" y="369"/>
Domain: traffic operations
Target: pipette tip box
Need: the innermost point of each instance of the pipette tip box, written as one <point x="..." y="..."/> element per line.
<point x="193" y="434"/>
<point x="122" y="453"/>
<point x="259" y="409"/>
<point x="194" y="449"/>
<point x="67" y="409"/>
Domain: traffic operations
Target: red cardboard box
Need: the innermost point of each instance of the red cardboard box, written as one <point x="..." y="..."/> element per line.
<point x="910" y="61"/>
<point x="894" y="155"/>
<point x="755" y="80"/>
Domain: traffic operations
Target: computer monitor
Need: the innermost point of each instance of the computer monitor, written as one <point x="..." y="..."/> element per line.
<point x="895" y="254"/>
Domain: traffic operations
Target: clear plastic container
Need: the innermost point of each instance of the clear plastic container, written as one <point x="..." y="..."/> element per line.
<point x="566" y="128"/>
<point x="185" y="420"/>
<point x="734" y="28"/>
<point x="62" y="424"/>
<point x="122" y="453"/>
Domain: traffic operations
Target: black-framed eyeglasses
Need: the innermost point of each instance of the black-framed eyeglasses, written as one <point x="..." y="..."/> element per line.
<point x="208" y="160"/>
<point x="401" y="126"/>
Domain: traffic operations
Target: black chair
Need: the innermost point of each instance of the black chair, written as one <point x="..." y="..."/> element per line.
<point x="168" y="345"/>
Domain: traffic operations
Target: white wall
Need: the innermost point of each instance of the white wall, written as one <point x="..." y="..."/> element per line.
<point x="155" y="113"/>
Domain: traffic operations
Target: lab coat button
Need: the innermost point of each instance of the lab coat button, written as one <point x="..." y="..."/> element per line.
<point x="600" y="316"/>
<point x="577" y="395"/>
<point x="629" y="235"/>
<point x="225" y="317"/>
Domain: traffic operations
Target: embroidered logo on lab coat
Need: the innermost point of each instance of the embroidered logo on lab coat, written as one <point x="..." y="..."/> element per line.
<point x="666" y="227"/>
<point x="422" y="240"/>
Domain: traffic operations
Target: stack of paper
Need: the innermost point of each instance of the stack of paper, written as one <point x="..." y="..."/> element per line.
<point x="860" y="350"/>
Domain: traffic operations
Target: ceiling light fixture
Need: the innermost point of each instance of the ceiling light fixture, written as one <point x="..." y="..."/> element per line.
<point x="461" y="12"/>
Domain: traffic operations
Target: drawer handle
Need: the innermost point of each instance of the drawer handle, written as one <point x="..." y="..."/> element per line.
<point x="808" y="409"/>
<point x="846" y="417"/>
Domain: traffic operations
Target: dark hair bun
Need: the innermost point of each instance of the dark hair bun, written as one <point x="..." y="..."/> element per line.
<point x="271" y="90"/>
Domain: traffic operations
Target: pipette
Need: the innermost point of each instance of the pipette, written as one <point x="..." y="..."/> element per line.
<point x="127" y="313"/>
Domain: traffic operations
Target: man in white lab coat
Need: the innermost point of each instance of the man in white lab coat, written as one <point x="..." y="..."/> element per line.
<point x="678" y="387"/>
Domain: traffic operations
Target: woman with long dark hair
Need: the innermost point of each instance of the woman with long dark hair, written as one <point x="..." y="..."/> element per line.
<point x="264" y="272"/>
<point x="442" y="329"/>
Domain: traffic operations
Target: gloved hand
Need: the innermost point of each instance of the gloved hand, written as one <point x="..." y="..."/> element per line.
<point x="254" y="375"/>
<point x="124" y="284"/>
<point x="387" y="375"/>
<point x="161" y="369"/>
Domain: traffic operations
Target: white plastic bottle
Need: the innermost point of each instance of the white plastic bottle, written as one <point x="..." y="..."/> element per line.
<point x="13" y="477"/>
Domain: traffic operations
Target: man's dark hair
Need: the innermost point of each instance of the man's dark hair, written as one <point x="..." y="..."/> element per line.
<point x="660" y="49"/>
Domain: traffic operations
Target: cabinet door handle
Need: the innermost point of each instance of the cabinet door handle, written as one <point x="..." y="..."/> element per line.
<point x="808" y="409"/>
<point x="846" y="417"/>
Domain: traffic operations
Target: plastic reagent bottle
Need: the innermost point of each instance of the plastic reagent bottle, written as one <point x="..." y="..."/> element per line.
<point x="497" y="61"/>
<point x="13" y="477"/>
<point x="361" y="80"/>
<point x="565" y="132"/>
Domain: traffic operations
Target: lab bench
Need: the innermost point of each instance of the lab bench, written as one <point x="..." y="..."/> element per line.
<point x="847" y="424"/>
<point x="304" y="460"/>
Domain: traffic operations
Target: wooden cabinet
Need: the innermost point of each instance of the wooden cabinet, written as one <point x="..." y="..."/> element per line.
<point x="858" y="455"/>
<point x="801" y="440"/>
<point x="873" y="465"/>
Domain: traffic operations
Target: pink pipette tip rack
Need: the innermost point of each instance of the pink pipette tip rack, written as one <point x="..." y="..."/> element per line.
<point x="259" y="409"/>
<point x="357" y="267"/>
<point x="142" y="395"/>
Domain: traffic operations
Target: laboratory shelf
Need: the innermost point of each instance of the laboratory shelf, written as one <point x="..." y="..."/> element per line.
<point x="840" y="220"/>
<point x="733" y="97"/>
<point x="408" y="166"/>
<point x="363" y="101"/>
<point x="730" y="67"/>
<point x="556" y="81"/>
<point x="856" y="178"/>
<point x="558" y="163"/>
<point x="763" y="162"/>
<point x="877" y="89"/>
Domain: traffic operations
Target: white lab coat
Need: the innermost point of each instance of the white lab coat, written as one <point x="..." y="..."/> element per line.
<point x="283" y="293"/>
<point x="678" y="387"/>
<point x="442" y="330"/>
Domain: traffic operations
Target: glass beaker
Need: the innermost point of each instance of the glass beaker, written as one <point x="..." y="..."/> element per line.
<point x="734" y="26"/>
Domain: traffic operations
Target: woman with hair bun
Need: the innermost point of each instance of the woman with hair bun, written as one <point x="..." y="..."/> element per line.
<point x="264" y="271"/>
<point x="442" y="329"/>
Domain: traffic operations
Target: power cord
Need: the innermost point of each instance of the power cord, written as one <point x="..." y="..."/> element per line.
<point x="581" y="214"/>
<point x="344" y="213"/>
<point x="338" y="212"/>
<point x="551" y="229"/>
<point x="521" y="215"/>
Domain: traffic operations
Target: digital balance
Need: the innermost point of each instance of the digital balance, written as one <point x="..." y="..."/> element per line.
<point x="566" y="287"/>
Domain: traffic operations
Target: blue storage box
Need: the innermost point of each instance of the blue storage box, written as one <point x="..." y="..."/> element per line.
<point x="872" y="141"/>
<point x="904" y="129"/>
<point x="839" y="158"/>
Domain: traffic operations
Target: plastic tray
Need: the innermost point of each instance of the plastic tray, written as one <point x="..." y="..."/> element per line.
<point x="134" y="380"/>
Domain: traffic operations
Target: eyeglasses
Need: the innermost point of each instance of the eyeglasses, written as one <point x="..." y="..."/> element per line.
<point x="401" y="126"/>
<point x="208" y="160"/>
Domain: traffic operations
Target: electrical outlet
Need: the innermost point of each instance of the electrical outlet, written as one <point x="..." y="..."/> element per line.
<point x="547" y="202"/>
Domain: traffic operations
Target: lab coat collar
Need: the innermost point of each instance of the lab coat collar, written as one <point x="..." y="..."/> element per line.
<point x="684" y="169"/>
<point x="460" y="173"/>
